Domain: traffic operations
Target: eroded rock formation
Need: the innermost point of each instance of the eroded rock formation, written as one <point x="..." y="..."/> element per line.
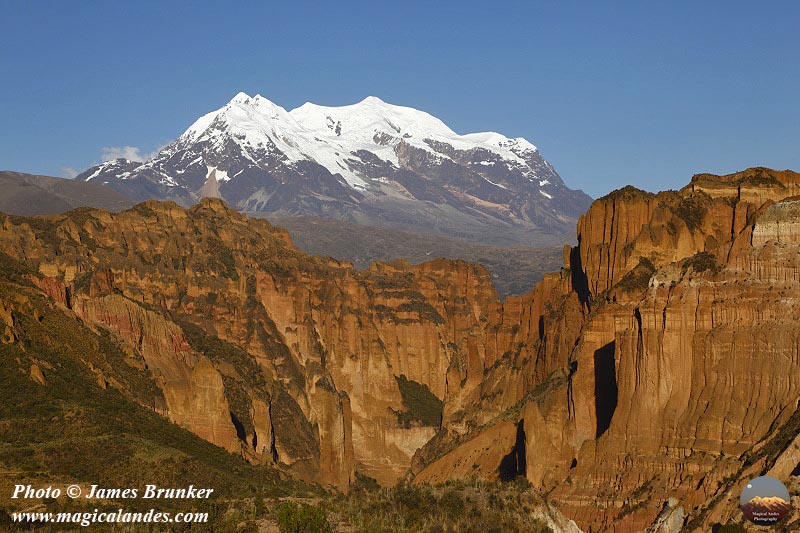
<point x="639" y="385"/>
<point x="291" y="358"/>
<point x="677" y="370"/>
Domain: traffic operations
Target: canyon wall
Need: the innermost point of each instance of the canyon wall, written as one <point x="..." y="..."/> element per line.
<point x="644" y="381"/>
<point x="677" y="374"/>
<point x="264" y="350"/>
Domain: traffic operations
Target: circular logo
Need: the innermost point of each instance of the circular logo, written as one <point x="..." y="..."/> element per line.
<point x="765" y="500"/>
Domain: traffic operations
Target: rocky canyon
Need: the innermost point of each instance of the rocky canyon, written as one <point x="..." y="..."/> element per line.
<point x="636" y="388"/>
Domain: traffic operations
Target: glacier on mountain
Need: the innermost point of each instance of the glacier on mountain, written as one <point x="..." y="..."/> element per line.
<point x="369" y="162"/>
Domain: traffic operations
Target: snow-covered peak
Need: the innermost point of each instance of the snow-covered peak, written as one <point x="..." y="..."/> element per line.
<point x="373" y="120"/>
<point x="492" y="138"/>
<point x="240" y="98"/>
<point x="371" y="116"/>
<point x="331" y="135"/>
<point x="367" y="159"/>
<point x="253" y="120"/>
<point x="119" y="167"/>
<point x="372" y="99"/>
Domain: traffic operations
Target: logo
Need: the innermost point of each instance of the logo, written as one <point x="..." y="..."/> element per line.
<point x="765" y="500"/>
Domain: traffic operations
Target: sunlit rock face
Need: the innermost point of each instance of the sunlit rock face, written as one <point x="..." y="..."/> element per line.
<point x="308" y="351"/>
<point x="676" y="368"/>
<point x="660" y="362"/>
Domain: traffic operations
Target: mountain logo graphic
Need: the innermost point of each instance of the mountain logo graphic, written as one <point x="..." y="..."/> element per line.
<point x="765" y="500"/>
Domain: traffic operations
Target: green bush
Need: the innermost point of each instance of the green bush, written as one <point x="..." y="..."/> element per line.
<point x="452" y="504"/>
<point x="702" y="262"/>
<point x="425" y="311"/>
<point x="457" y="505"/>
<point x="638" y="278"/>
<point x="365" y="483"/>
<point x="303" y="518"/>
<point x="14" y="271"/>
<point x="692" y="211"/>
<point x="221" y="258"/>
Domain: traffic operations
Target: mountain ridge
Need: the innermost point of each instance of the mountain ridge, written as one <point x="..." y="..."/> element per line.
<point x="514" y="269"/>
<point x="32" y="194"/>
<point x="371" y="163"/>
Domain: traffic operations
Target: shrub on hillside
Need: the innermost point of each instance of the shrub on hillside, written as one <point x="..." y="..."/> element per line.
<point x="303" y="518"/>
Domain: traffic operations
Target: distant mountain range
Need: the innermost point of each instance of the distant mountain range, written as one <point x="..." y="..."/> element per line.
<point x="29" y="194"/>
<point x="514" y="270"/>
<point x="370" y="163"/>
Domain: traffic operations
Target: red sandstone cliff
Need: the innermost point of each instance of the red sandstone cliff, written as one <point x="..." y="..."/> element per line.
<point x="659" y="366"/>
<point x="676" y="368"/>
<point x="315" y="347"/>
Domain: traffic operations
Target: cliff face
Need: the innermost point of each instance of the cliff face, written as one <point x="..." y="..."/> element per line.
<point x="676" y="368"/>
<point x="193" y="389"/>
<point x="261" y="349"/>
<point x="643" y="382"/>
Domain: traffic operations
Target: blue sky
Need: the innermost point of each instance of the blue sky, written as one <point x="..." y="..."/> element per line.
<point x="612" y="93"/>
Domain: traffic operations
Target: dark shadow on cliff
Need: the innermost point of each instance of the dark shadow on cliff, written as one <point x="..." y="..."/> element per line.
<point x="237" y="424"/>
<point x="580" y="282"/>
<point x="605" y="386"/>
<point x="513" y="464"/>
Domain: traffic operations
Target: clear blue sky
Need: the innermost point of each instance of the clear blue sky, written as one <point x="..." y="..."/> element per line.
<point x="612" y="93"/>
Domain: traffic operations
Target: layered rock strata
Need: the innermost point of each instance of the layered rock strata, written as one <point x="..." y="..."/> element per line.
<point x="638" y="387"/>
<point x="664" y="369"/>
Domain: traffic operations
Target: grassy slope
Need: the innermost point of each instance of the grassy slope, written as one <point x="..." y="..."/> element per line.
<point x="72" y="430"/>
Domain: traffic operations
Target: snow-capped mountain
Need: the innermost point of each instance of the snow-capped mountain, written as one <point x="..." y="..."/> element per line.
<point x="372" y="162"/>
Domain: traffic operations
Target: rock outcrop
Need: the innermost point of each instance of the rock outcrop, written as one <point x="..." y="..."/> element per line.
<point x="306" y="353"/>
<point x="638" y="387"/>
<point x="670" y="520"/>
<point x="675" y="372"/>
